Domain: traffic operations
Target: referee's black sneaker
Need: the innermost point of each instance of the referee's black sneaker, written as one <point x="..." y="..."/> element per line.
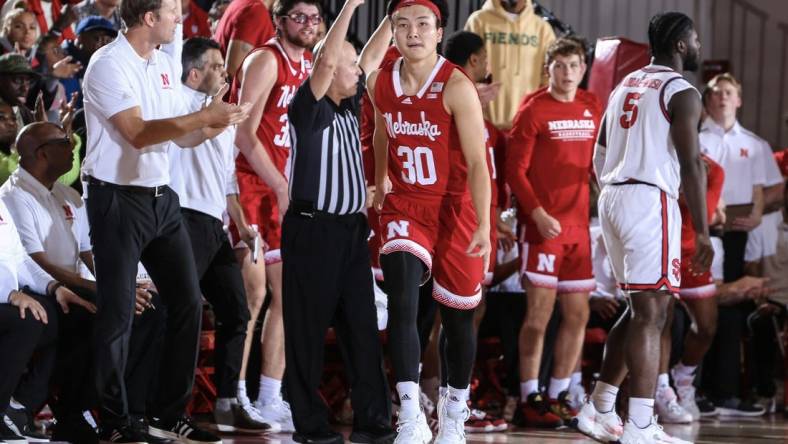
<point x="377" y="435"/>
<point x="9" y="436"/>
<point x="184" y="430"/>
<point x="327" y="437"/>
<point x="121" y="434"/>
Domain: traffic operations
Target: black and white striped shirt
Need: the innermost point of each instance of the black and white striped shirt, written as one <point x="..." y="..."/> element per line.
<point x="326" y="167"/>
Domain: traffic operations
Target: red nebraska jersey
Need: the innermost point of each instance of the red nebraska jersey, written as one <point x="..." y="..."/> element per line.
<point x="495" y="143"/>
<point x="245" y="20"/>
<point x="782" y="161"/>
<point x="274" y="128"/>
<point x="424" y="147"/>
<point x="549" y="160"/>
<point x="715" y="177"/>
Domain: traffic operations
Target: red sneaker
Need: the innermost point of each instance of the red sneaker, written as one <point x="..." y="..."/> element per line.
<point x="535" y="412"/>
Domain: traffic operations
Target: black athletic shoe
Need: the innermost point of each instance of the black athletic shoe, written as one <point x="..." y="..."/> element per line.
<point x="22" y="422"/>
<point x="378" y="435"/>
<point x="738" y="407"/>
<point x="74" y="429"/>
<point x="125" y="434"/>
<point x="706" y="407"/>
<point x="183" y="430"/>
<point x="9" y="436"/>
<point x="141" y="426"/>
<point x="319" y="438"/>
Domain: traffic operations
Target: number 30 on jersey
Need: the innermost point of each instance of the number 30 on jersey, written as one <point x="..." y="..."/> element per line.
<point x="418" y="165"/>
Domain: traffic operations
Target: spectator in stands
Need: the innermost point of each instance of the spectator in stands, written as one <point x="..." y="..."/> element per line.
<point x="19" y="32"/>
<point x="53" y="228"/>
<point x="516" y="40"/>
<point x="53" y="66"/>
<point x="16" y="78"/>
<point x="24" y="324"/>
<point x="53" y="16"/>
<point x="9" y="159"/>
<point x="245" y="25"/>
<point x="737" y="150"/>
<point x="195" y="20"/>
<point x="93" y="32"/>
<point x="107" y="9"/>
<point x="204" y="178"/>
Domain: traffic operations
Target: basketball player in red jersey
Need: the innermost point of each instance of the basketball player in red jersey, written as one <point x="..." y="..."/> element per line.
<point x="428" y="127"/>
<point x="268" y="78"/>
<point x="698" y="292"/>
<point x="548" y="169"/>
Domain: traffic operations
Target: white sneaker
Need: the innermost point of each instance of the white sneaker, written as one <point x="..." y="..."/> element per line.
<point x="668" y="409"/>
<point x="603" y="427"/>
<point x="577" y="396"/>
<point x="686" y="395"/>
<point x="413" y="430"/>
<point x="652" y="434"/>
<point x="451" y="425"/>
<point x="276" y="411"/>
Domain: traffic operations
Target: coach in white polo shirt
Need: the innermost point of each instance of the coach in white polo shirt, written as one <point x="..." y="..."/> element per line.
<point x="762" y="241"/>
<point x="204" y="178"/>
<point x="53" y="227"/>
<point x="724" y="140"/>
<point x="133" y="110"/>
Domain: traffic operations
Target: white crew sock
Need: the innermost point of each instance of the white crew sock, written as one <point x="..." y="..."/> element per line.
<point x="270" y="389"/>
<point x="604" y="397"/>
<point x="557" y="386"/>
<point x="528" y="387"/>
<point x="457" y="400"/>
<point x="408" y="399"/>
<point x="241" y="393"/>
<point x="641" y="411"/>
<point x="576" y="379"/>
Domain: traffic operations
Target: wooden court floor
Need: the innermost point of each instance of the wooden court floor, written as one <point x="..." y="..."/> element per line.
<point x="770" y="429"/>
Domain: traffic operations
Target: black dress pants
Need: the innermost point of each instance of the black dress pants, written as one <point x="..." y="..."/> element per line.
<point x="327" y="277"/>
<point x="129" y="226"/>
<point x="222" y="285"/>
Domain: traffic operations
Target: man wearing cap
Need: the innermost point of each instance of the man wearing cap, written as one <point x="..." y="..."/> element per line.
<point x="93" y="32"/>
<point x="107" y="9"/>
<point x="16" y="77"/>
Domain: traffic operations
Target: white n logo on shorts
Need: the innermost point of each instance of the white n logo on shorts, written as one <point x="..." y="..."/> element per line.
<point x="546" y="263"/>
<point x="398" y="228"/>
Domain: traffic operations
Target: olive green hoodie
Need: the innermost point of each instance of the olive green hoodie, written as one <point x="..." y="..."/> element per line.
<point x="516" y="46"/>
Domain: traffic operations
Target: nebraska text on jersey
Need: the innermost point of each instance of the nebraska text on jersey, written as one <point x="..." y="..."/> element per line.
<point x="405" y="128"/>
<point x="571" y="129"/>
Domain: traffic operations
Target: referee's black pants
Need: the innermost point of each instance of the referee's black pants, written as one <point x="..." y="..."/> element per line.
<point x="223" y="286"/>
<point x="127" y="227"/>
<point x="19" y="338"/>
<point x="327" y="278"/>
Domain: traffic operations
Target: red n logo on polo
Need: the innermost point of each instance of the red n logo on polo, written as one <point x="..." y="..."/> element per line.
<point x="69" y="214"/>
<point x="165" y="80"/>
<point x="744" y="152"/>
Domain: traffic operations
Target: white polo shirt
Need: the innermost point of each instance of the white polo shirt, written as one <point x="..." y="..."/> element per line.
<point x="50" y="221"/>
<point x="17" y="269"/>
<point x="204" y="176"/>
<point x="738" y="151"/>
<point x="117" y="79"/>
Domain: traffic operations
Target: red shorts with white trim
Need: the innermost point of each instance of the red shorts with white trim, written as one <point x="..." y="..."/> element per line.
<point x="438" y="234"/>
<point x="641" y="227"/>
<point x="695" y="286"/>
<point x="567" y="268"/>
<point x="261" y="210"/>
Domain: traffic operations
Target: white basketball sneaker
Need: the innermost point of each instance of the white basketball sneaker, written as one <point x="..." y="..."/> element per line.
<point x="451" y="425"/>
<point x="413" y="430"/>
<point x="668" y="409"/>
<point x="651" y="434"/>
<point x="603" y="427"/>
<point x="276" y="411"/>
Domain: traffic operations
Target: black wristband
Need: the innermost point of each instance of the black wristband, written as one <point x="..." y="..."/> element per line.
<point x="51" y="292"/>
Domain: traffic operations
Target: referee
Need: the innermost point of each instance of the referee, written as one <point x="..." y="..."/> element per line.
<point x="326" y="267"/>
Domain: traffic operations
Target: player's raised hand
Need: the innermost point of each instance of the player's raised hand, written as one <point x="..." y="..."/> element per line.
<point x="480" y="246"/>
<point x="704" y="254"/>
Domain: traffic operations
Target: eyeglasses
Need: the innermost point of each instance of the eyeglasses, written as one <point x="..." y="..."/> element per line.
<point x="62" y="141"/>
<point x="302" y="18"/>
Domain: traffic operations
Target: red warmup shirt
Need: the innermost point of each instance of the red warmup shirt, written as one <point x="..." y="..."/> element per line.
<point x="196" y="23"/>
<point x="782" y="161"/>
<point x="35" y="7"/>
<point x="245" y="20"/>
<point x="715" y="177"/>
<point x="423" y="142"/>
<point x="548" y="161"/>
<point x="274" y="128"/>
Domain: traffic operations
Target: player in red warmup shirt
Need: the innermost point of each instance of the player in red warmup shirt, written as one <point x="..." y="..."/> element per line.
<point x="548" y="169"/>
<point x="429" y="128"/>
<point x="244" y="26"/>
<point x="268" y="78"/>
<point x="698" y="291"/>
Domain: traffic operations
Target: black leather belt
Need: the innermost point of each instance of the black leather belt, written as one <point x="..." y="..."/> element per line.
<point x="156" y="191"/>
<point x="305" y="208"/>
<point x="633" y="182"/>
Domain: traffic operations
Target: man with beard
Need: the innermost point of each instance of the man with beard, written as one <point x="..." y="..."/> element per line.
<point x="268" y="78"/>
<point x="647" y="147"/>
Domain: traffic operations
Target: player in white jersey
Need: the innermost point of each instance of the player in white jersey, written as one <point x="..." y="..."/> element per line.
<point x="647" y="147"/>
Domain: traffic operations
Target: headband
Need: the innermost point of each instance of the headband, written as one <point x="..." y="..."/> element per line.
<point x="426" y="3"/>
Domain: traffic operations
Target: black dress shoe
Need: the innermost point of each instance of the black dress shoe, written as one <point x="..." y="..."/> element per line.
<point x="319" y="438"/>
<point x="377" y="435"/>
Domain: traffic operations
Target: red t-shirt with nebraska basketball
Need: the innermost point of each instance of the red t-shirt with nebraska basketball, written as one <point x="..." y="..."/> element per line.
<point x="245" y="20"/>
<point x="274" y="129"/>
<point x="549" y="161"/>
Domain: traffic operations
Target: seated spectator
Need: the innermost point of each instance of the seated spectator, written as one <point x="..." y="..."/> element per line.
<point x="195" y="20"/>
<point x="53" y="66"/>
<point x="16" y="78"/>
<point x="9" y="159"/>
<point x="93" y="32"/>
<point x="51" y="15"/>
<point x="24" y="324"/>
<point x="19" y="32"/>
<point x="107" y="9"/>
<point x="53" y="229"/>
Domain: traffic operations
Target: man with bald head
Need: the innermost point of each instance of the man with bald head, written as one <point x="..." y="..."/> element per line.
<point x="52" y="225"/>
